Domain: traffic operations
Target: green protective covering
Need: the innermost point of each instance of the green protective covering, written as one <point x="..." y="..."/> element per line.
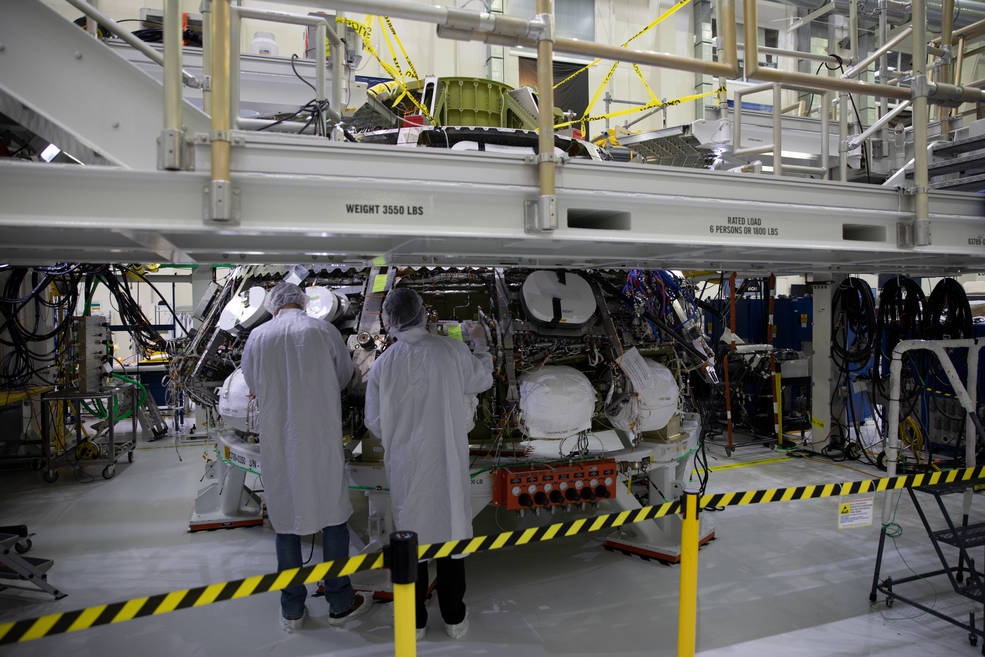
<point x="472" y="102"/>
<point x="461" y="102"/>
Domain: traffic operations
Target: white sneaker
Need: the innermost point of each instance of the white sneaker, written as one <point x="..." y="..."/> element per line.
<point x="458" y="630"/>
<point x="289" y="625"/>
<point x="360" y="605"/>
<point x="421" y="631"/>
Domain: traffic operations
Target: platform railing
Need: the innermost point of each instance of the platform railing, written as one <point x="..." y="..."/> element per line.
<point x="776" y="148"/>
<point x="538" y="32"/>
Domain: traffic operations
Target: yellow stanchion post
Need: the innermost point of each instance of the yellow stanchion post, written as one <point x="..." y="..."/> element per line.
<point x="403" y="573"/>
<point x="688" y="599"/>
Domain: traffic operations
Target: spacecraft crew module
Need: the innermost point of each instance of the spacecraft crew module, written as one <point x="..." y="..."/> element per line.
<point x="592" y="403"/>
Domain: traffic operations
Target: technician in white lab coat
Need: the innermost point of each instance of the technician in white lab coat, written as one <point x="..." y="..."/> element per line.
<point x="296" y="366"/>
<point x="415" y="404"/>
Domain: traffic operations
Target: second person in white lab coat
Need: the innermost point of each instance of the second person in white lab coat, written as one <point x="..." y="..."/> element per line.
<point x="415" y="405"/>
<point x="296" y="366"/>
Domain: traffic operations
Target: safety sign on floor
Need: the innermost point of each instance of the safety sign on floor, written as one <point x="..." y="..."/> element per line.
<point x="855" y="513"/>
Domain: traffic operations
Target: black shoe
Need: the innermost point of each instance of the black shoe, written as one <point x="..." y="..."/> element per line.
<point x="358" y="608"/>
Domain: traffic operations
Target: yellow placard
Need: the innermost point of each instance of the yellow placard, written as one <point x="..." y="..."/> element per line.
<point x="379" y="283"/>
<point x="818" y="424"/>
<point x="379" y="261"/>
<point x="455" y="331"/>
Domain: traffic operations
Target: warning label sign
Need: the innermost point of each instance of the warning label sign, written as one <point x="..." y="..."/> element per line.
<point x="855" y="513"/>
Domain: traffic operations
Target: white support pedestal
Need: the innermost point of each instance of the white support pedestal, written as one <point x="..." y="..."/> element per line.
<point x="223" y="501"/>
<point x="671" y="464"/>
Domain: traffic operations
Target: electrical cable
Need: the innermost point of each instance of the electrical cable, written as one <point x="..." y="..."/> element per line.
<point x="294" y="58"/>
<point x="948" y="314"/>
<point x="853" y="318"/>
<point x="166" y="304"/>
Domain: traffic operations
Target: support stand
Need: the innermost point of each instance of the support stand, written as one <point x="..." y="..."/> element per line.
<point x="964" y="578"/>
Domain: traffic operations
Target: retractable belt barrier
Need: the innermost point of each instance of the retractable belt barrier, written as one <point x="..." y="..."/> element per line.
<point x="163" y="603"/>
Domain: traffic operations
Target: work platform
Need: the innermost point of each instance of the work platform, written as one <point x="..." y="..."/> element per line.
<point x="306" y="199"/>
<point x="301" y="198"/>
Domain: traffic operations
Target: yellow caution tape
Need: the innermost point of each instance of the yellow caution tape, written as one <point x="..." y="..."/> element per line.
<point x="396" y="78"/>
<point x="591" y="103"/>
<point x="646" y="29"/>
<point x="942" y="393"/>
<point x="364" y="31"/>
<point x="162" y="603"/>
<point x="410" y="64"/>
<point x="642" y="108"/>
<point x="639" y="74"/>
<point x="389" y="45"/>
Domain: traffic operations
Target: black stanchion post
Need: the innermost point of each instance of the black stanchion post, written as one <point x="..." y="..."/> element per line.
<point x="403" y="574"/>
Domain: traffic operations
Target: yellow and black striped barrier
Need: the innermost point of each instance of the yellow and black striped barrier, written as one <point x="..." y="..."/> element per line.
<point x="163" y="603"/>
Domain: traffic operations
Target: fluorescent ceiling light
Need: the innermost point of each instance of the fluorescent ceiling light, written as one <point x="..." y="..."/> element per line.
<point x="50" y="152"/>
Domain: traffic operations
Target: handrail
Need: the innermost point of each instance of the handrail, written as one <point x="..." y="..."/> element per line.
<point x="114" y="28"/>
<point x="876" y="54"/>
<point x="505" y="30"/>
<point x="776" y="148"/>
<point x="878" y="124"/>
<point x="753" y="70"/>
<point x="323" y="31"/>
<point x="966" y="396"/>
<point x="794" y="54"/>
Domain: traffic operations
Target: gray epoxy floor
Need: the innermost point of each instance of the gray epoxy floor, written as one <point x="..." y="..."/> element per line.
<point x="780" y="579"/>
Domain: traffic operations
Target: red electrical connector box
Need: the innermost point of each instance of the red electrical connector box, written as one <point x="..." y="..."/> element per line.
<point x="557" y="484"/>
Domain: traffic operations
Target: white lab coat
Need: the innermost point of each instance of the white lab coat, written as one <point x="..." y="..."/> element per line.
<point x="296" y="366"/>
<point x="415" y="405"/>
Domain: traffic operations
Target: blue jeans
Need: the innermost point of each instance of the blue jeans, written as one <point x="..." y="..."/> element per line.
<point x="338" y="592"/>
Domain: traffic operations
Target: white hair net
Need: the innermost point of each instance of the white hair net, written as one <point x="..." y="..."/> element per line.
<point x="403" y="309"/>
<point x="284" y="294"/>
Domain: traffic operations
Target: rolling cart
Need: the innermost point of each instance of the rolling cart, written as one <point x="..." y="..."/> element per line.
<point x="103" y="449"/>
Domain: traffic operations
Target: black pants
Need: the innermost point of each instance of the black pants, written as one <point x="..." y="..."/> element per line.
<point x="450" y="587"/>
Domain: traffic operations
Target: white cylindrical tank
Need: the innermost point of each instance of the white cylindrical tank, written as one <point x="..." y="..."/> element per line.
<point x="241" y="307"/>
<point x="234" y="402"/>
<point x="556" y="401"/>
<point x="325" y="304"/>
<point x="652" y="408"/>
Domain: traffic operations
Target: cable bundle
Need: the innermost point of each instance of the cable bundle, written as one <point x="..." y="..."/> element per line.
<point x="902" y="312"/>
<point x="853" y="332"/>
<point x="948" y="313"/>
<point x="29" y="359"/>
<point x="315" y="110"/>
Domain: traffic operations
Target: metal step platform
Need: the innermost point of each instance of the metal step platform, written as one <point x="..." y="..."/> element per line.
<point x="960" y="146"/>
<point x="21" y="572"/>
<point x="959" y="164"/>
<point x="974" y="184"/>
<point x="970" y="536"/>
<point x="964" y="577"/>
